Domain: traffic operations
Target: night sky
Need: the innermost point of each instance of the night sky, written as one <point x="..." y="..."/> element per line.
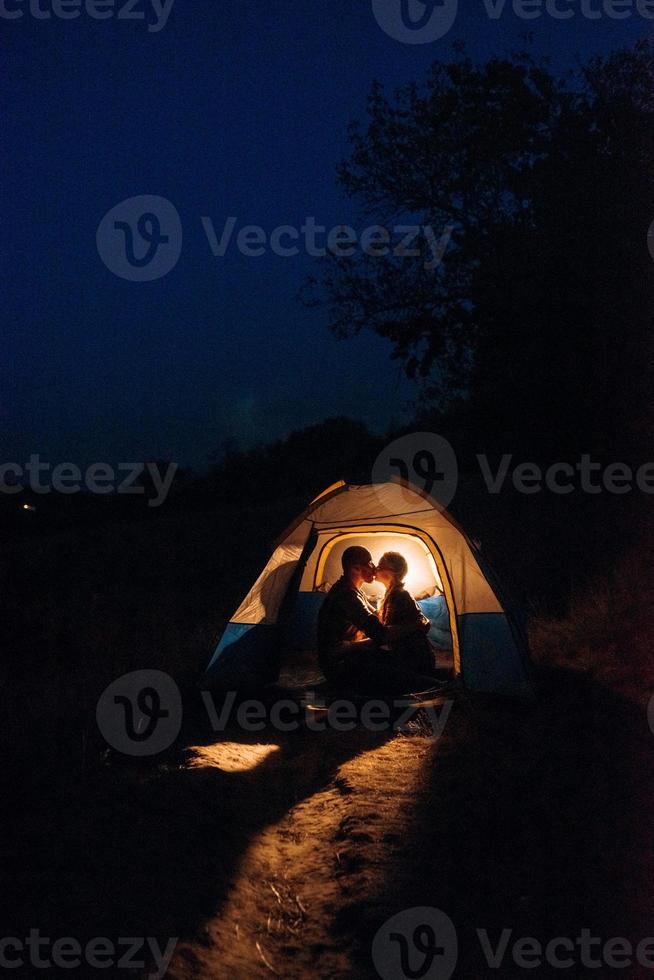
<point x="236" y="107"/>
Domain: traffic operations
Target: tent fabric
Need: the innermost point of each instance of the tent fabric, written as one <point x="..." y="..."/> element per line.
<point x="489" y="651"/>
<point x="394" y="504"/>
<point x="261" y="604"/>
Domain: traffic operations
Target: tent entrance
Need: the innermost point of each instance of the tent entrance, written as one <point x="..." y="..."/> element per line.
<point x="427" y="581"/>
<point x="423" y="579"/>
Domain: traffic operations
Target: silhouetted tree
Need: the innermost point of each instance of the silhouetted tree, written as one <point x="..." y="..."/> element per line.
<point x="534" y="330"/>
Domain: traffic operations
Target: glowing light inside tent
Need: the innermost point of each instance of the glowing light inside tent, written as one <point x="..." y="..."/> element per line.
<point x="422" y="579"/>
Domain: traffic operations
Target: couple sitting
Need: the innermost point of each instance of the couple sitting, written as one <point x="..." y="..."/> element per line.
<point x="386" y="652"/>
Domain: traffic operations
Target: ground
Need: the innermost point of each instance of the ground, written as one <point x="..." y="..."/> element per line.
<point x="283" y="855"/>
<point x="527" y="818"/>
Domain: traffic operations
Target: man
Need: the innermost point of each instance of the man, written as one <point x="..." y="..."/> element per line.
<point x="347" y="625"/>
<point x="352" y="643"/>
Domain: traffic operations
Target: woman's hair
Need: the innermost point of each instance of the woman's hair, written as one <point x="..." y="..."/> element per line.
<point x="396" y="562"/>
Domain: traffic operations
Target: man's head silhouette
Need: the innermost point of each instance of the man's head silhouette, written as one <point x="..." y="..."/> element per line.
<point x="358" y="565"/>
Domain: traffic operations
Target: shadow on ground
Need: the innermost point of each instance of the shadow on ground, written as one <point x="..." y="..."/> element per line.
<point x="532" y="818"/>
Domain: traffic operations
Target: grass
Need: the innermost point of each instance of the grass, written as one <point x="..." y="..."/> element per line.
<point x="608" y="631"/>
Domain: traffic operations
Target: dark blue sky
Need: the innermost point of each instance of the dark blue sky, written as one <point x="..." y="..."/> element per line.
<point x="237" y="107"/>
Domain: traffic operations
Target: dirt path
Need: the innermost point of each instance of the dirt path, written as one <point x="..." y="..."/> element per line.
<point x="303" y="880"/>
<point x="282" y="855"/>
<point x="526" y="819"/>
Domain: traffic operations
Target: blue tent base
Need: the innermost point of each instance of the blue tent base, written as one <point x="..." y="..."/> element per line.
<point x="247" y="656"/>
<point x="492" y="658"/>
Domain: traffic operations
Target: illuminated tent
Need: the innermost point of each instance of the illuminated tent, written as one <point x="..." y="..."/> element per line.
<point x="446" y="574"/>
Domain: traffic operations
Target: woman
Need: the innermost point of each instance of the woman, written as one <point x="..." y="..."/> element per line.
<point x="400" y="613"/>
